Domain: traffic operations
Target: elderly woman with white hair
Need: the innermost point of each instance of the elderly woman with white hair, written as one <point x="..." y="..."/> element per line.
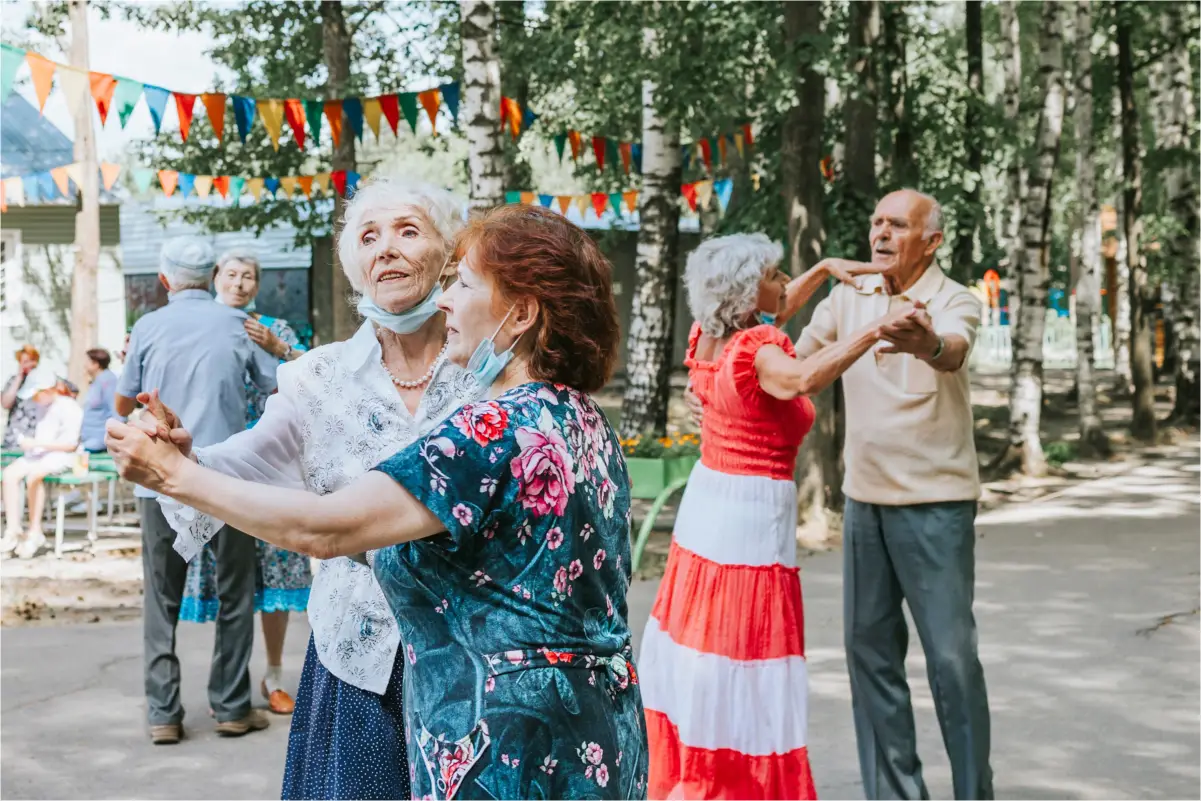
<point x="723" y="656"/>
<point x="282" y="578"/>
<point x="340" y="410"/>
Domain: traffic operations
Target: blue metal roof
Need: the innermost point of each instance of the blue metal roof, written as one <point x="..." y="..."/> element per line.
<point x="28" y="141"/>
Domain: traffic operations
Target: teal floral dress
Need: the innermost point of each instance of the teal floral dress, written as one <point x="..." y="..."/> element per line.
<point x="283" y="578"/>
<point x="519" y="677"/>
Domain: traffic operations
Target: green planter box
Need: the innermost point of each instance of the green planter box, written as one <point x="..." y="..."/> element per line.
<point x="651" y="476"/>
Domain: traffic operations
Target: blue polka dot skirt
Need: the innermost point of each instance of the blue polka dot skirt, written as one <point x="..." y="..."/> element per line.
<point x="346" y="742"/>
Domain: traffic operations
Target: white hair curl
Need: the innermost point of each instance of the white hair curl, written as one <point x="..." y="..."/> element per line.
<point x="722" y="278"/>
<point x="444" y="210"/>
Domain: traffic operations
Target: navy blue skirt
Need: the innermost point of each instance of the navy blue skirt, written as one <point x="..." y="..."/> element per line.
<point x="346" y="742"/>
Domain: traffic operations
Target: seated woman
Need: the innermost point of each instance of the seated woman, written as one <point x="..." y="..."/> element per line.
<point x="723" y="655"/>
<point x="501" y="539"/>
<point x="50" y="450"/>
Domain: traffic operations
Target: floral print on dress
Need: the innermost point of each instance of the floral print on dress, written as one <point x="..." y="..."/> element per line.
<point x="520" y="605"/>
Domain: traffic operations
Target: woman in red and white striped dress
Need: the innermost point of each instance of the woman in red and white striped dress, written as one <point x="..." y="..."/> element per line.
<point x="722" y="662"/>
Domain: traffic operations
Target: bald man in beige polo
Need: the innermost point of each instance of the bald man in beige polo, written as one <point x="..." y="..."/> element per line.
<point x="912" y="483"/>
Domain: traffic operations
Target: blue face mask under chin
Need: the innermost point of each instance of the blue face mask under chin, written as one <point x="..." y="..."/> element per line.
<point x="406" y="322"/>
<point x="485" y="364"/>
<point x="766" y="318"/>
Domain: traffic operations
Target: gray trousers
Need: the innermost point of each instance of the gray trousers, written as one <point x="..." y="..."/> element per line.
<point x="164" y="572"/>
<point x="923" y="554"/>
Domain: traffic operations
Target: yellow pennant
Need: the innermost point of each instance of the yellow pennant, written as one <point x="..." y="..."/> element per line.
<point x="75" y="173"/>
<point x="583" y="203"/>
<point x="321" y="179"/>
<point x="16" y="188"/>
<point x="203" y="185"/>
<point x="272" y="112"/>
<point x="704" y="193"/>
<point x="371" y="113"/>
<point x="740" y="143"/>
<point x="288" y="185"/>
<point x="255" y="187"/>
<point x="76" y="86"/>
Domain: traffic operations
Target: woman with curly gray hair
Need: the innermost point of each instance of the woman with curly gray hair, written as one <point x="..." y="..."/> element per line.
<point x="723" y="657"/>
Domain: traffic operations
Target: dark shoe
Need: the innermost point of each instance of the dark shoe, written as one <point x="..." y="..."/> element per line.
<point x="166" y="734"/>
<point x="254" y="721"/>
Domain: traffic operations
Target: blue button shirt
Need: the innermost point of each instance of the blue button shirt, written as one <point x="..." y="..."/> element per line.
<point x="98" y="406"/>
<point x="197" y="354"/>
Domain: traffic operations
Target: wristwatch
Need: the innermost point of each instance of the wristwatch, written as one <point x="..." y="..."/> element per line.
<point x="942" y="343"/>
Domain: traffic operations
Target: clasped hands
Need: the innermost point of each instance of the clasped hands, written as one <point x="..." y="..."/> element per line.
<point x="150" y="448"/>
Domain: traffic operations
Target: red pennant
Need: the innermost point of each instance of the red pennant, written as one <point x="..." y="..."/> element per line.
<point x="103" y="86"/>
<point x="626" y="155"/>
<point x="598" y="148"/>
<point x="689" y="193"/>
<point x="339" y="179"/>
<point x="294" y="114"/>
<point x="390" y="105"/>
<point x="333" y="113"/>
<point x="221" y="184"/>
<point x="214" y="103"/>
<point x="746" y="134"/>
<point x="185" y="105"/>
<point x="706" y="154"/>
<point x="600" y="201"/>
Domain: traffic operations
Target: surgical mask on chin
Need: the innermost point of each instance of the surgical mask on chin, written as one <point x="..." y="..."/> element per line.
<point x="250" y="307"/>
<point x="406" y="322"/>
<point x="485" y="363"/>
<point x="766" y="318"/>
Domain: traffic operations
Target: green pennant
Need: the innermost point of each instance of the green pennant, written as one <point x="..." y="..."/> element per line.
<point x="142" y="179"/>
<point x="715" y="150"/>
<point x="615" y="202"/>
<point x="612" y="157"/>
<point x="236" y="185"/>
<point x="512" y="197"/>
<point x="125" y="98"/>
<point x="11" y="59"/>
<point x="408" y="106"/>
<point x="313" y="109"/>
<point x="560" y="143"/>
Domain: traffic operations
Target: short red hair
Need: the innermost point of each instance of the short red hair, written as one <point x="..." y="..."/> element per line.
<point x="30" y="351"/>
<point x="534" y="253"/>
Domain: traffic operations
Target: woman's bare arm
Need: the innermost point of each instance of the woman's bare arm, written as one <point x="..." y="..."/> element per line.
<point x="786" y="377"/>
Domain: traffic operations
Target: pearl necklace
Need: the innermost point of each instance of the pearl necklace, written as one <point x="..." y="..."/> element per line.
<point x="420" y="382"/>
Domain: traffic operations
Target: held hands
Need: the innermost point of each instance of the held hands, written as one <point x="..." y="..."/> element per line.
<point x="150" y="448"/>
<point x="261" y="335"/>
<point x="909" y="329"/>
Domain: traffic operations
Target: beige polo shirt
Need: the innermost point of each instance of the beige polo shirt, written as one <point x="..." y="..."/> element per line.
<point x="909" y="427"/>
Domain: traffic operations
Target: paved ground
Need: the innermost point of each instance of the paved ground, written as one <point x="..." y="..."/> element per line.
<point x="1087" y="605"/>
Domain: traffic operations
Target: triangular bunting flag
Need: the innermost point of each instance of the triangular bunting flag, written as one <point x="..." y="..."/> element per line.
<point x="739" y="143"/>
<point x="689" y="193"/>
<point x="746" y="134"/>
<point x="511" y="110"/>
<point x="352" y="107"/>
<point x="338" y="177"/>
<point x="631" y="199"/>
<point x="76" y="88"/>
<point x="611" y="157"/>
<point x="321" y="180"/>
<point x="704" y="193"/>
<point x="390" y="106"/>
<point x="685" y="156"/>
<point x="3" y="197"/>
<point x="255" y="187"/>
<point x="706" y="154"/>
<point x="156" y="101"/>
<point x="545" y="200"/>
<point x="512" y="197"/>
<point x="527" y="198"/>
<point x="62" y="180"/>
<point x="615" y="202"/>
<point x="244" y="113"/>
<point x="564" y="202"/>
<point x="721" y="150"/>
<point x="352" y="182"/>
<point x="185" y="107"/>
<point x="11" y="59"/>
<point x="600" y="202"/>
<point x="214" y="104"/>
<point x="408" y="106"/>
<point x="636" y="156"/>
<point x="204" y="185"/>
<point x="289" y="186"/>
<point x="108" y="174"/>
<point x="333" y="113"/>
<point x="371" y="113"/>
<point x="141" y="180"/>
<point x="237" y="184"/>
<point x="313" y="109"/>
<point x="429" y="102"/>
<point x="42" y="73"/>
<point x="272" y="186"/>
<point x="528" y="118"/>
<point x="577" y="145"/>
<point x="75" y="173"/>
<point x="272" y="112"/>
<point x="187" y="182"/>
<point x="294" y="114"/>
<point x="306" y="185"/>
<point x="450" y="96"/>
<point x="598" y="150"/>
<point x="221" y="184"/>
<point x="125" y="98"/>
<point x="581" y="203"/>
<point x="715" y="149"/>
<point x="16" y="188"/>
<point x="723" y="189"/>
<point x="46" y="186"/>
<point x="560" y="143"/>
<point x="626" y="157"/>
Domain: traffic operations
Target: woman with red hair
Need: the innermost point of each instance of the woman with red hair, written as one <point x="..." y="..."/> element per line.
<point x="501" y="539"/>
<point x="22" y="414"/>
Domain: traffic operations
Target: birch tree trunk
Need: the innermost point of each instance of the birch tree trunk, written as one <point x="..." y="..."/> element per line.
<point x="1093" y="441"/>
<point x="85" y="303"/>
<point x="1010" y="53"/>
<point x="652" y="315"/>
<point x="480" y="111"/>
<point x="962" y="261"/>
<point x="1026" y="388"/>
<point x="1121" y="292"/>
<point x="1143" y="424"/>
<point x="819" y="469"/>
<point x="336" y="44"/>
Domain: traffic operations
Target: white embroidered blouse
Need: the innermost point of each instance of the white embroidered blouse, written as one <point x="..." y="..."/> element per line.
<point x="336" y="416"/>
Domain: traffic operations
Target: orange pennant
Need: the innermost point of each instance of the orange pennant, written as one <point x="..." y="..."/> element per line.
<point x="564" y="202"/>
<point x="631" y="199"/>
<point x="576" y="145"/>
<point x="42" y="72"/>
<point x="185" y="105"/>
<point x="108" y="174"/>
<point x="214" y="103"/>
<point x="333" y="113"/>
<point x="512" y="111"/>
<point x="168" y="180"/>
<point x="527" y="198"/>
<point x="306" y="185"/>
<point x="103" y="86"/>
<point x="625" y="149"/>
<point x="430" y="101"/>
<point x="62" y="179"/>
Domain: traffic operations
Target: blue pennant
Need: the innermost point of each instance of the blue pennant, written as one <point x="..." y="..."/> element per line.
<point x="271" y="185"/>
<point x="244" y="112"/>
<point x="450" y="96"/>
<point x="156" y="101"/>
<point x="546" y="200"/>
<point x="352" y="107"/>
<point x="186" y="182"/>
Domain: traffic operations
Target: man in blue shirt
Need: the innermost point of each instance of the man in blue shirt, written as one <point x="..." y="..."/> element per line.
<point x="196" y="353"/>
